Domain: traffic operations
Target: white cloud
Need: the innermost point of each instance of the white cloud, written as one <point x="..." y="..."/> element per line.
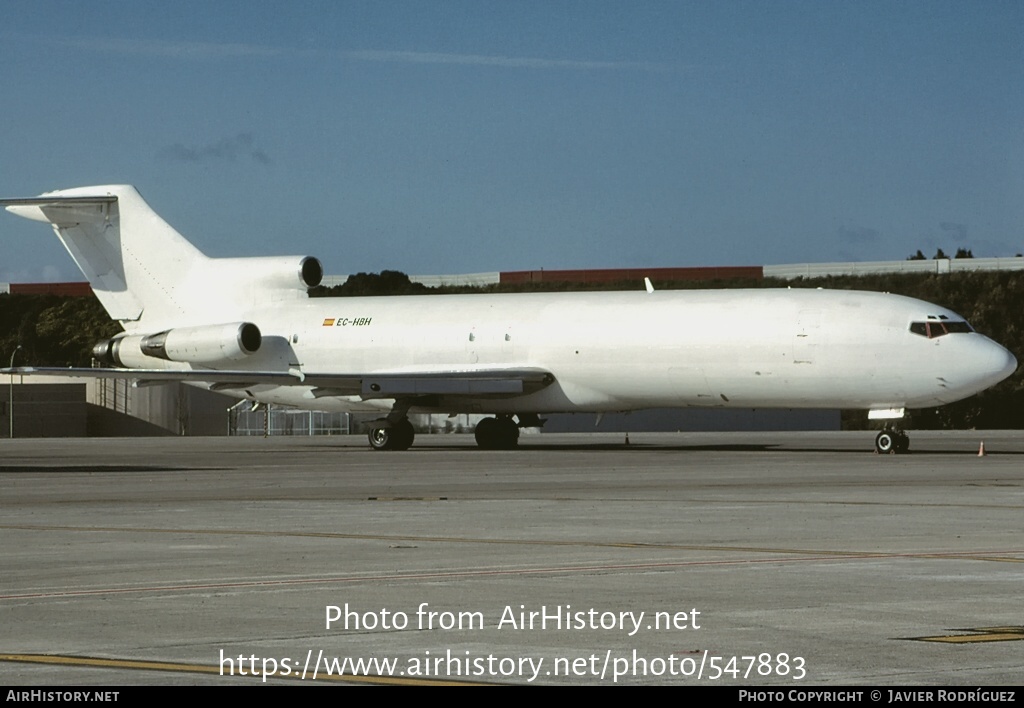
<point x="501" y="61"/>
<point x="213" y="50"/>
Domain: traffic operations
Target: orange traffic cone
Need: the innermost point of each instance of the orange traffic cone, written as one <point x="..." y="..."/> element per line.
<point x="981" y="449"/>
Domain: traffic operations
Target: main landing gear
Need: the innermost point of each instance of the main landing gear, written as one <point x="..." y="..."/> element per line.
<point x="892" y="441"/>
<point x="501" y="433"/>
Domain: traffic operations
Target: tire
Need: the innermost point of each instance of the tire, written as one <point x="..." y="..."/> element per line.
<point x="486" y="433"/>
<point x="497" y="434"/>
<point x="885" y="443"/>
<point x="402" y="435"/>
<point x="507" y="434"/>
<point x="398" y="436"/>
<point x="903" y="444"/>
<point x="380" y="438"/>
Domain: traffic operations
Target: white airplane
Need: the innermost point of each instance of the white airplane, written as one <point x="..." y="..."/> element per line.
<point x="246" y="327"/>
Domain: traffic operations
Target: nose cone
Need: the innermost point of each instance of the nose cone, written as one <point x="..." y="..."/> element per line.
<point x="987" y="363"/>
<point x="1002" y="362"/>
<point x="975" y="364"/>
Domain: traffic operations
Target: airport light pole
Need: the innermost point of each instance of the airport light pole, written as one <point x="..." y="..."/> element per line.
<point x="10" y="399"/>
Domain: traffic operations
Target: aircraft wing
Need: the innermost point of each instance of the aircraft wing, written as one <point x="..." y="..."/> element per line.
<point x="404" y="384"/>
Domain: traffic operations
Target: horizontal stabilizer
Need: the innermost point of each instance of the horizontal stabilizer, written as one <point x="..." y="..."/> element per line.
<point x="64" y="212"/>
<point x="59" y="201"/>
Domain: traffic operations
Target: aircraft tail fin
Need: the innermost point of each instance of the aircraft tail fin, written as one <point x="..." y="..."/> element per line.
<point x="149" y="276"/>
<point x="132" y="258"/>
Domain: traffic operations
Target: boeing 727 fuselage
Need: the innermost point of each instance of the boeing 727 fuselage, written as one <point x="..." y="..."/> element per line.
<point x="246" y="327"/>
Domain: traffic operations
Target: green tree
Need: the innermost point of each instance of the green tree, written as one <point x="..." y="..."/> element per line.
<point x="387" y="282"/>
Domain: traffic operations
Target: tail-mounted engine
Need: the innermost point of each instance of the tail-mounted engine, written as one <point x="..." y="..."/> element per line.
<point x="209" y="344"/>
<point x="296" y="273"/>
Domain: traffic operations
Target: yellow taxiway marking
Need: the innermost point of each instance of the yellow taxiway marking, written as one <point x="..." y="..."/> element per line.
<point x="139" y="665"/>
<point x="978" y="634"/>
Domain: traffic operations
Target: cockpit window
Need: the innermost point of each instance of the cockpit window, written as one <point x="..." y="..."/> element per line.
<point x="939" y="328"/>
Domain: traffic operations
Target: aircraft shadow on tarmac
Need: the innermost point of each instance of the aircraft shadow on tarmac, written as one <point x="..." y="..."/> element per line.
<point x="743" y="448"/>
<point x="656" y="448"/>
<point x="74" y="469"/>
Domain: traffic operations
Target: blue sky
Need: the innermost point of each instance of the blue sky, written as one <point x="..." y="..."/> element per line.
<point x="455" y="137"/>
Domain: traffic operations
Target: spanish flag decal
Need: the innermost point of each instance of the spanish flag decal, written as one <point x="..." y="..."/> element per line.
<point x="329" y="322"/>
